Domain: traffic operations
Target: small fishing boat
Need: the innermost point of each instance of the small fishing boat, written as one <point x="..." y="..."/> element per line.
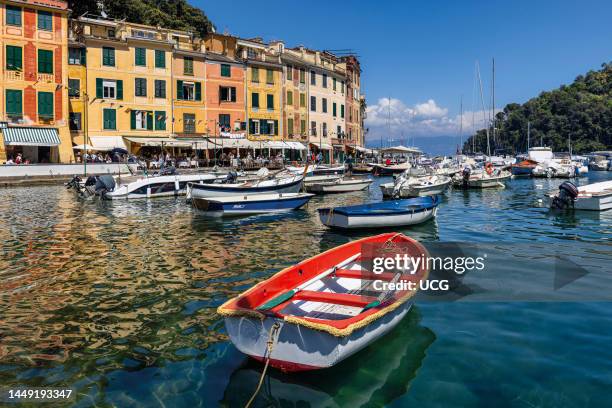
<point x="594" y="197"/>
<point x="321" y="311"/>
<point x="599" y="163"/>
<point x="309" y="180"/>
<point x="524" y="168"/>
<point x="292" y="184"/>
<point x="391" y="169"/>
<point x="487" y="178"/>
<point x="250" y="204"/>
<point x="362" y="168"/>
<point x="340" y="185"/>
<point x="317" y="170"/>
<point x="394" y="213"/>
<point x="406" y="186"/>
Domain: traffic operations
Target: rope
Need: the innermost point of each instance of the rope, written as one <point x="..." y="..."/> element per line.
<point x="272" y="338"/>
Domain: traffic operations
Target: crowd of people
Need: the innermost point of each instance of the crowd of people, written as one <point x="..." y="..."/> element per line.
<point x="19" y="159"/>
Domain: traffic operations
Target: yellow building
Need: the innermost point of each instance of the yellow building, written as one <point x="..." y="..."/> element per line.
<point x="264" y="89"/>
<point x="295" y="92"/>
<point x="127" y="96"/>
<point x="33" y="71"/>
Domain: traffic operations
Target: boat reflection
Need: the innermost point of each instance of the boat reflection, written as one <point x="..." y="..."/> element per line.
<point x="375" y="376"/>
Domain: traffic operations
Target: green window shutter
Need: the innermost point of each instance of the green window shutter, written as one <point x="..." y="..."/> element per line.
<point x="254" y="74"/>
<point x="83" y="56"/>
<point x="255" y="100"/>
<point x="13" y="15"/>
<point x="149" y="120"/>
<point x="45" y="20"/>
<point x="141" y="57"/>
<point x="251" y="126"/>
<point x="270" y="101"/>
<point x="160" y="59"/>
<point x="45" y="61"/>
<point x="99" y="90"/>
<point x="140" y="87"/>
<point x="269" y="76"/>
<point x="334" y="111"/>
<point x="289" y="98"/>
<point x="198" y="91"/>
<point x="14" y="102"/>
<point x="276" y="127"/>
<point x="108" y="56"/>
<point x="263" y="127"/>
<point x="226" y="70"/>
<point x="160" y="120"/>
<point x="233" y="94"/>
<point x="179" y="89"/>
<point x="110" y="119"/>
<point x="188" y="65"/>
<point x="45" y="105"/>
<point x="120" y="89"/>
<point x="133" y="119"/>
<point x="290" y="126"/>
<point x="14" y="58"/>
<point x="341" y="111"/>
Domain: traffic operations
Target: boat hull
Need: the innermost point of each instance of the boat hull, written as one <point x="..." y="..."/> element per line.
<point x="250" y="205"/>
<point x="344" y="221"/>
<point x="237" y="190"/>
<point x="520" y="171"/>
<point x="339" y="187"/>
<point x="591" y="197"/>
<point x="300" y="348"/>
<point x="387" y="190"/>
<point x="160" y="186"/>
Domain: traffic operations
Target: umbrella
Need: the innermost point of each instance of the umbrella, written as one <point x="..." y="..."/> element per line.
<point x="119" y="150"/>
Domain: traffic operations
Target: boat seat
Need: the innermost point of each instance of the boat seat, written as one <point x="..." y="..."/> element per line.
<point x="334" y="298"/>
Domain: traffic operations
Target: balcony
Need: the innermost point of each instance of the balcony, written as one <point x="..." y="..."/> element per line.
<point x="49" y="78"/>
<point x="13" y="75"/>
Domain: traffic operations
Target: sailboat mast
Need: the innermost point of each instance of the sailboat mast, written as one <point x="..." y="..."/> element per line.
<point x="484" y="110"/>
<point x="389" y="120"/>
<point x="493" y="104"/>
<point x="528" y="133"/>
<point x="461" y="125"/>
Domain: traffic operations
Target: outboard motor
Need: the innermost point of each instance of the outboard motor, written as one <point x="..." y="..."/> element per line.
<point x="74" y="183"/>
<point x="566" y="197"/>
<point x="466" y="176"/>
<point x="104" y="184"/>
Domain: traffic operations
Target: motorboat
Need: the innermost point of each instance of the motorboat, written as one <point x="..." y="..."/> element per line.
<point x="316" y="170"/>
<point x="309" y="180"/>
<point x="393" y="213"/>
<point x="523" y="168"/>
<point x="594" y="197"/>
<point x="556" y="168"/>
<point x="319" y="312"/>
<point x="362" y="168"/>
<point x="391" y="169"/>
<point x="340" y="185"/>
<point x="481" y="178"/>
<point x="599" y="163"/>
<point x="291" y="184"/>
<point x="407" y="186"/>
<point x="250" y="204"/>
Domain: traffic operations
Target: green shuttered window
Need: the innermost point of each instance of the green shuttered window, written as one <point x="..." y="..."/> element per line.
<point x="110" y="119"/>
<point x="45" y="105"/>
<point x="342" y="111"/>
<point x="270" y="101"/>
<point x="226" y="70"/>
<point x="160" y="120"/>
<point x="198" y="91"/>
<point x="108" y="56"/>
<point x="334" y="110"/>
<point x="14" y="60"/>
<point x="141" y="57"/>
<point x="160" y="88"/>
<point x="14" y="102"/>
<point x="289" y="98"/>
<point x="45" y="20"/>
<point x="160" y="59"/>
<point x="269" y="76"/>
<point x="188" y="65"/>
<point x="13" y="15"/>
<point x="45" y="61"/>
<point x="290" y="126"/>
<point x="255" y="100"/>
<point x="140" y="87"/>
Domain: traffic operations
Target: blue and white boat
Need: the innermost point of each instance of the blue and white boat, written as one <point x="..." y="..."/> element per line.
<point x="250" y="204"/>
<point x="292" y="184"/>
<point x="394" y="213"/>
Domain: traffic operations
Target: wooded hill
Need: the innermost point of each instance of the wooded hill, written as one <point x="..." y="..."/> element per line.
<point x="582" y="110"/>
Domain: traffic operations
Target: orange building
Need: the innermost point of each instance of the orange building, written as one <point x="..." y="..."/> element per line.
<point x="33" y="73"/>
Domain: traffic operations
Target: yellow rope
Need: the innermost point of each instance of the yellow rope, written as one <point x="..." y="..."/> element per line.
<point x="274" y="332"/>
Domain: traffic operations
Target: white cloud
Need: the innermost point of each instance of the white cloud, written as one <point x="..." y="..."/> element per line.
<point x="421" y="119"/>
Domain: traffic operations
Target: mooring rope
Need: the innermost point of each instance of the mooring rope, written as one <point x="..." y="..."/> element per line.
<point x="272" y="339"/>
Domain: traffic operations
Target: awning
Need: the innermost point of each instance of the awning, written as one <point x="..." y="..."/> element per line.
<point x="30" y="136"/>
<point x="295" y="146"/>
<point x="158" y="141"/>
<point x="106" y="143"/>
<point x="274" y="144"/>
<point x="322" y="146"/>
<point x="361" y="149"/>
<point x="338" y="146"/>
<point x="401" y="149"/>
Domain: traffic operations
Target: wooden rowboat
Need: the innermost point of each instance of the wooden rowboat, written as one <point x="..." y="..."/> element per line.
<point x="322" y="310"/>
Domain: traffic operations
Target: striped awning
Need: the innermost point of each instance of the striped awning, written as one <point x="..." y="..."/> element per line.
<point x="30" y="136"/>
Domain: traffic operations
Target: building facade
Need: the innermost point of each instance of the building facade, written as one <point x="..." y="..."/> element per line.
<point x="295" y="91"/>
<point x="33" y="79"/>
<point x="353" y="114"/>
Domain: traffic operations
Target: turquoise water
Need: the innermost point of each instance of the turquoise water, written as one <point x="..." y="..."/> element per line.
<point x="117" y="300"/>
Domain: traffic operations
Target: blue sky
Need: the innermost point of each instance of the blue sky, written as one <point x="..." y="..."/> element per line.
<point x="422" y="53"/>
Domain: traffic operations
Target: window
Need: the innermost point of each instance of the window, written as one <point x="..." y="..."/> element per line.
<point x="290" y="126"/>
<point x="14" y="58"/>
<point x="141" y="120"/>
<point x="313" y="103"/>
<point x="302" y="76"/>
<point x="324" y="125"/>
<point x="254" y="74"/>
<point x="187" y="65"/>
<point x="302" y="127"/>
<point x="13" y="15"/>
<point x="109" y="119"/>
<point x="253" y="127"/>
<point x="108" y="56"/>
<point x="226" y="70"/>
<point x="269" y="77"/>
<point x="255" y="100"/>
<point x="45" y="20"/>
<point x="335" y="83"/>
<point x="143" y="34"/>
<point x="140" y="87"/>
<point x="189" y="123"/>
<point x="342" y="111"/>
<point x="160" y="88"/>
<point x="224" y="122"/>
<point x="339" y="131"/>
<point x="45" y="105"/>
<point x="227" y="94"/>
<point x="140" y="57"/>
<point x="45" y="62"/>
<point x="289" y="98"/>
<point x="289" y="73"/>
<point x="160" y="59"/>
<point x="109" y="88"/>
<point x="334" y="111"/>
<point x="76" y="56"/>
<point x="270" y="102"/>
<point x="189" y="91"/>
<point x="14" y="104"/>
<point x="160" y="120"/>
<point x="324" y="80"/>
<point x="324" y="105"/>
<point x="251" y="54"/>
<point x="271" y="127"/>
<point x="342" y="87"/>
<point x="75" y="121"/>
<point x="302" y="100"/>
<point x="74" y="88"/>
<point x="313" y="128"/>
<point x="313" y="78"/>
<point x="110" y="33"/>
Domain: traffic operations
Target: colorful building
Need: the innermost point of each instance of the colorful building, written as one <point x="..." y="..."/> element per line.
<point x="33" y="79"/>
<point x="353" y="114"/>
<point x="295" y="91"/>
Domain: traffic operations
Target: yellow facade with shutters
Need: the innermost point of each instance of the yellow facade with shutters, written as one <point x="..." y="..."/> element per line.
<point x="264" y="93"/>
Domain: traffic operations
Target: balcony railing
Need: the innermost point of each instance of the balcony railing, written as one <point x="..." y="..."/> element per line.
<point x="13" y="75"/>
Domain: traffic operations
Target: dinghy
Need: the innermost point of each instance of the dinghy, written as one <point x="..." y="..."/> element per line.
<point x="524" y="168"/>
<point x="394" y="213"/>
<point x="406" y="187"/>
<point x="284" y="185"/>
<point x="250" y="204"/>
<point x="340" y="185"/>
<point x="594" y="197"/>
<point x="324" y="309"/>
<point x="481" y="178"/>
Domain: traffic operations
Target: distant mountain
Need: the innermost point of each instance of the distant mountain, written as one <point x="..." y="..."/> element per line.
<point x="177" y="14"/>
<point x="582" y="110"/>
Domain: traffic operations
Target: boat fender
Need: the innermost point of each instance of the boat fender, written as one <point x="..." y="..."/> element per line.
<point x="489" y="168"/>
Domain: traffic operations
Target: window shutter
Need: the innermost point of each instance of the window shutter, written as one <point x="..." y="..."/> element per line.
<point x="99" y="91"/>
<point x="198" y="91"/>
<point x="119" y="89"/>
<point x="179" y="89"/>
<point x="251" y="126"/>
<point x="83" y="56"/>
<point x="233" y="94"/>
<point x="149" y="120"/>
<point x="263" y="126"/>
<point x="133" y="119"/>
<point x="276" y="127"/>
<point x="160" y="120"/>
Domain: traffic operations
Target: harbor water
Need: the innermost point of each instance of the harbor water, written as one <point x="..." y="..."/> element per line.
<point x="117" y="300"/>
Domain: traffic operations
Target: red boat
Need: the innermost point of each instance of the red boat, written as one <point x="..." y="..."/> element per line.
<point x="324" y="309"/>
<point x="524" y="168"/>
